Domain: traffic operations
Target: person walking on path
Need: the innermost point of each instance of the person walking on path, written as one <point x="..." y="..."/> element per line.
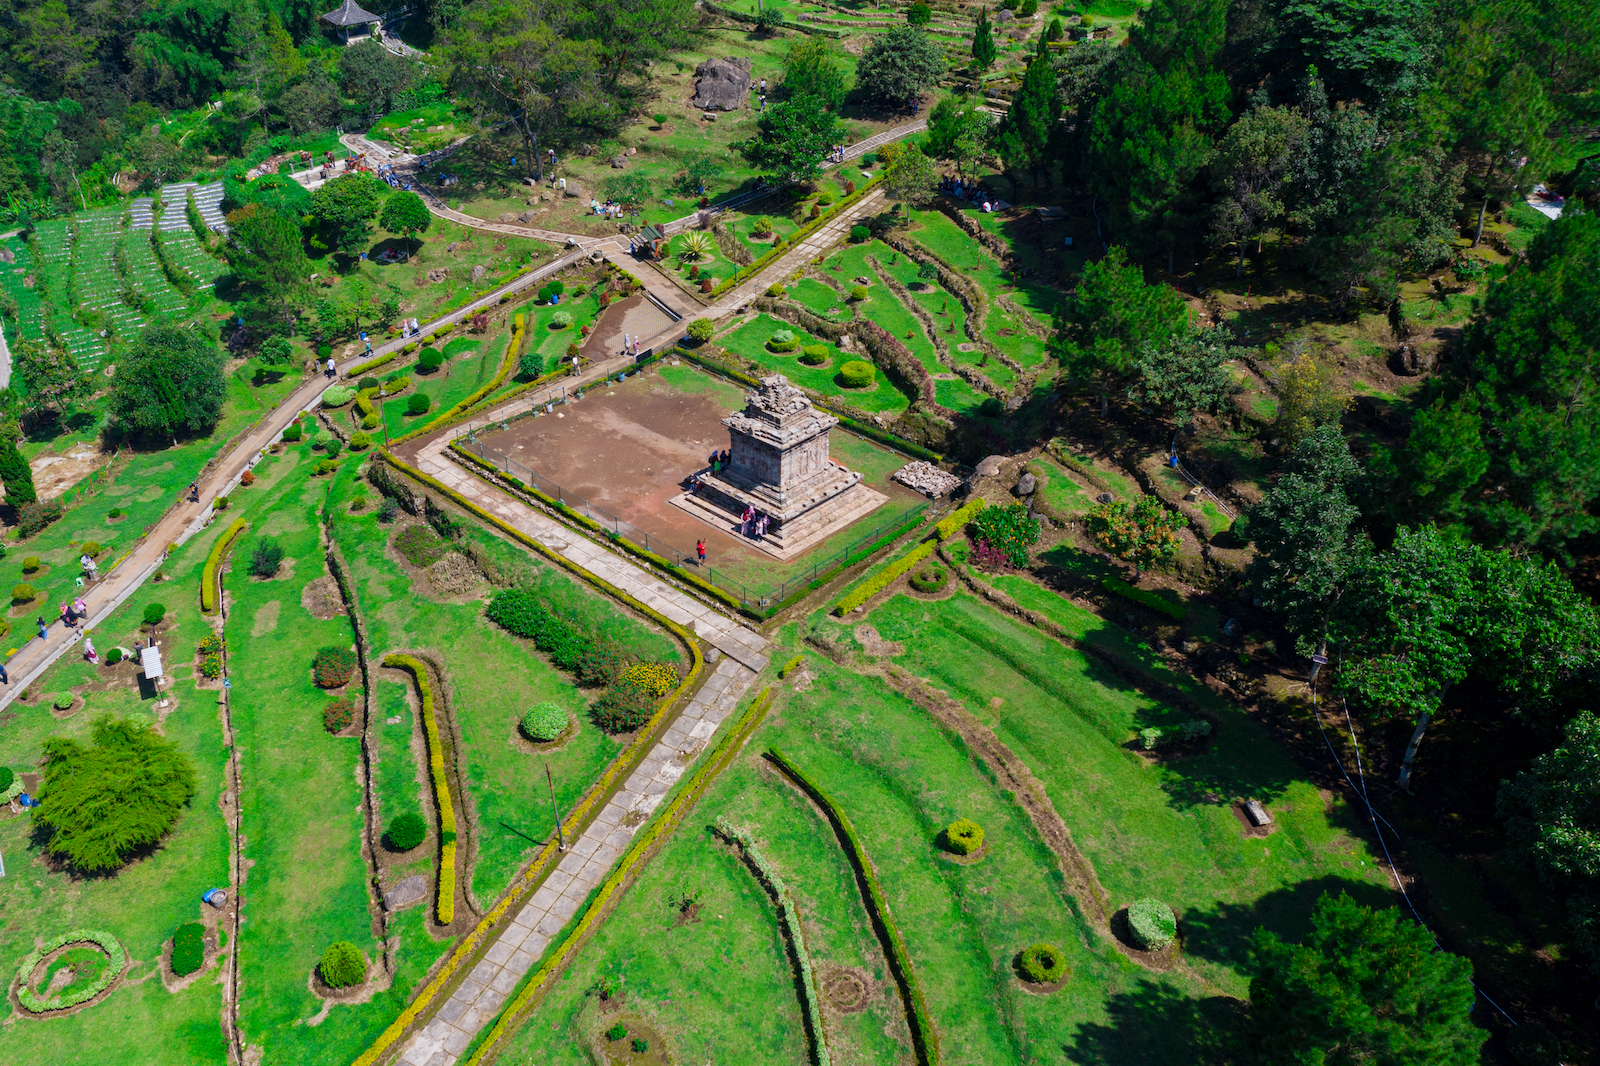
<point x="79" y="608"/>
<point x="66" y="615"/>
<point x="44" y="628"/>
<point x="194" y="492"/>
<point x="625" y="344"/>
<point x="5" y="678"/>
<point x="331" y="367"/>
<point x="89" y="652"/>
<point x="700" y="549"/>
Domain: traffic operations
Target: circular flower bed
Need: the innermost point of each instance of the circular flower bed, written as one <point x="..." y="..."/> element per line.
<point x="1153" y="924"/>
<point x="74" y="993"/>
<point x="1042" y="964"/>
<point x="930" y="578"/>
<point x="545" y="722"/>
<point x="963" y="836"/>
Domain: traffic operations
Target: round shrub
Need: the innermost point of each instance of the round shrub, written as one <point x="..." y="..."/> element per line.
<point x="62" y="701"/>
<point x="761" y="227"/>
<point x="342" y="965"/>
<point x="561" y="320"/>
<point x="1152" y="923"/>
<point x="333" y="447"/>
<point x="544" y="723"/>
<point x="775" y="289"/>
<point x="333" y="666"/>
<point x="188" y="948"/>
<point x="783" y="341"/>
<point x="930" y="578"/>
<point x="406" y="832"/>
<point x="372" y="421"/>
<point x="963" y="836"/>
<point x="31" y="564"/>
<point x="324" y="350"/>
<point x="326" y="466"/>
<point x="292" y="433"/>
<point x="369" y="383"/>
<point x="419" y="403"/>
<point x="114" y="656"/>
<point x="91" y="548"/>
<point x="700" y="330"/>
<point x="154" y="613"/>
<point x="857" y="374"/>
<point x="814" y="354"/>
<point x="337" y="716"/>
<point x="858" y="292"/>
<point x="338" y="395"/>
<point x="360" y="442"/>
<point x="430" y="360"/>
<point x="23" y="593"/>
<point x="859" y="234"/>
<point x="1043" y="964"/>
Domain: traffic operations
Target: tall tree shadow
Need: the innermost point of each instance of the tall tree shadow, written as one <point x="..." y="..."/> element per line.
<point x="1222" y="933"/>
<point x="1155" y="1023"/>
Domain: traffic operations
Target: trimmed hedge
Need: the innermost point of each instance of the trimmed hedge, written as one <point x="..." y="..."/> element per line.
<point x="789" y="912"/>
<point x="337" y="395"/>
<point x="879" y="581"/>
<point x="1152" y="923"/>
<point x="963" y="836"/>
<point x="857" y="374"/>
<point x="1043" y="964"/>
<point x="1118" y="587"/>
<point x="208" y="576"/>
<point x="791" y="666"/>
<point x="924" y="1039"/>
<point x="445" y="905"/>
<point x="544" y="723"/>
<point x="956" y="521"/>
<point x="38" y="1004"/>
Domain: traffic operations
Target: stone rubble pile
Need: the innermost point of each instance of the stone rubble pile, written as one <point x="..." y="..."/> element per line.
<point x="927" y="479"/>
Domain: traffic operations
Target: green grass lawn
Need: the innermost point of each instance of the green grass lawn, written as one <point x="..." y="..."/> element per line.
<point x="822" y="300"/>
<point x="1059" y="491"/>
<point x="148" y="899"/>
<point x="1162" y="830"/>
<point x="750" y="342"/>
<point x="447" y="386"/>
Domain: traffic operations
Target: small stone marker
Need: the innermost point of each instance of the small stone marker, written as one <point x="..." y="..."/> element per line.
<point x="1256" y="813"/>
<point x="1026" y="484"/>
<point x="410" y="890"/>
<point x="1104" y="497"/>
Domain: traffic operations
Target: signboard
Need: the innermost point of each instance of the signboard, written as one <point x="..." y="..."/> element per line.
<point x="150" y="660"/>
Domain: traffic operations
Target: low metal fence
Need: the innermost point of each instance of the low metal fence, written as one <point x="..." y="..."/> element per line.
<point x="748" y="595"/>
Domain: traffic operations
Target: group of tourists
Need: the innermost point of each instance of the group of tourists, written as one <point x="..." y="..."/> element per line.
<point x="609" y="209"/>
<point x="972" y="193"/>
<point x="754" y="523"/>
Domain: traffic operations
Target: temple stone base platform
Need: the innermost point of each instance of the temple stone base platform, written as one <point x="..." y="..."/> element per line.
<point x="780" y="467"/>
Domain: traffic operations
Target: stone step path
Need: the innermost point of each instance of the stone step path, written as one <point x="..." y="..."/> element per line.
<point x="588" y="859"/>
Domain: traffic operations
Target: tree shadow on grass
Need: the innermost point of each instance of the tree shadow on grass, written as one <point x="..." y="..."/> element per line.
<point x="1222" y="933"/>
<point x="1153" y="1023"/>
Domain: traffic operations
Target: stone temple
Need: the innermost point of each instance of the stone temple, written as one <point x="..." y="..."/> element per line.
<point x="779" y="464"/>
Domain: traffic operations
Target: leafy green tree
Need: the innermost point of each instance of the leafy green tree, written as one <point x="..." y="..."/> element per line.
<point x="104" y="802"/>
<point x="919" y="14"/>
<point x="50" y="377"/>
<point x="1307" y="536"/>
<point x="899" y="66"/>
<point x="1104" y="322"/>
<point x="1024" y="135"/>
<point x="908" y="174"/>
<point x="1309" y="395"/>
<point x="814" y="67"/>
<point x="373" y="78"/>
<point x="1365" y="986"/>
<point x="15" y="474"/>
<point x="1377" y="51"/>
<point x="702" y="169"/>
<point x="1141" y="535"/>
<point x="346" y="207"/>
<point x="1186" y="375"/>
<point x="269" y="263"/>
<point x="1552" y="819"/>
<point x="1252" y="168"/>
<point x="793" y="137"/>
<point x="958" y="129"/>
<point x="1512" y="447"/>
<point x="984" y="52"/>
<point x="169" y="384"/>
<point x="769" y="20"/>
<point x="404" y="212"/>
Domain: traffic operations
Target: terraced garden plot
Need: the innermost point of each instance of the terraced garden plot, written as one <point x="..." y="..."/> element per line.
<point x="13" y="282"/>
<point x="750" y="342"/>
<point x="821" y="300"/>
<point x="1058" y="490"/>
<point x="184" y="249"/>
<point x="145" y="271"/>
<point x="95" y="281"/>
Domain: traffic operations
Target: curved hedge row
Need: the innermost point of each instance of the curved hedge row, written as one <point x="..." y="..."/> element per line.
<point x="445" y="905"/>
<point x="879" y="581"/>
<point x="507" y="366"/>
<point x="209" y="587"/>
<point x="38" y="1004"/>
<point x="672" y="813"/>
<point x="623" y="764"/>
<point x="924" y="1038"/>
<point x="790" y="914"/>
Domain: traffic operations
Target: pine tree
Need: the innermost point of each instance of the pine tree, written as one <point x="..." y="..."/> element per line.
<point x="984" y="52"/>
<point x="15" y="475"/>
<point x="1025" y="131"/>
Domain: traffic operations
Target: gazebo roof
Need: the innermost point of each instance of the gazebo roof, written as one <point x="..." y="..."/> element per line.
<point x="350" y="13"/>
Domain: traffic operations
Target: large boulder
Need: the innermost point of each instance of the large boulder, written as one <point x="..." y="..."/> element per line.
<point x="722" y="85"/>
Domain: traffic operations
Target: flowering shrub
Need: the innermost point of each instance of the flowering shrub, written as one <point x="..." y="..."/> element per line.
<point x="334" y="666"/>
<point x="337" y="716"/>
<point x="623" y="707"/>
<point x="658" y="679"/>
<point x="211" y="667"/>
<point x="1007" y="531"/>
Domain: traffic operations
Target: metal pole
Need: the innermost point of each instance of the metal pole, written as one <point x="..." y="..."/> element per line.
<point x="561" y="834"/>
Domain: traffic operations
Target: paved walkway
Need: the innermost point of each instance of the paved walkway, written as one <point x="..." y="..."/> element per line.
<point x="588" y="859"/>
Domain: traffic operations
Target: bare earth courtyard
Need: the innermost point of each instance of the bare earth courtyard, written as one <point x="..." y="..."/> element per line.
<point x="628" y="448"/>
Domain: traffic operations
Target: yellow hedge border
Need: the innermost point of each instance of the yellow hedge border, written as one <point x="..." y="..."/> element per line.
<point x="956" y="521"/>
<point x="445" y="905"/>
<point x="208" y="575"/>
<point x="623" y="764"/>
<point x="507" y="365"/>
<point x="948" y="526"/>
<point x="638" y="851"/>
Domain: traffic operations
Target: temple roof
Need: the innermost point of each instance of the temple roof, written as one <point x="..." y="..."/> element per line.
<point x="350" y="13"/>
<point x="779" y="414"/>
